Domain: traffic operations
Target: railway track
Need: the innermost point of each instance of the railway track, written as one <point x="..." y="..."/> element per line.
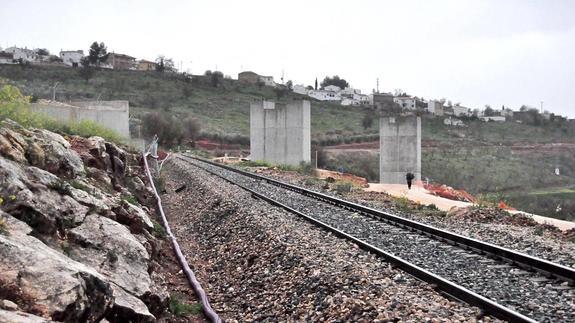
<point x="504" y="283"/>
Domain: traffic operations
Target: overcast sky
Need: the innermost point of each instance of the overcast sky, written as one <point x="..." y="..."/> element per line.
<point x="501" y="52"/>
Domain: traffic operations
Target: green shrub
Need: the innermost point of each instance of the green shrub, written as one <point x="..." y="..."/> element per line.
<point x="158" y="231"/>
<point x="3" y="227"/>
<point x="403" y="203"/>
<point x="343" y="187"/>
<point x="255" y="163"/>
<point x="179" y="308"/>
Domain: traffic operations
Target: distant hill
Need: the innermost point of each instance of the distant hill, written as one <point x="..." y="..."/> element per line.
<point x="504" y="160"/>
<point x="223" y="109"/>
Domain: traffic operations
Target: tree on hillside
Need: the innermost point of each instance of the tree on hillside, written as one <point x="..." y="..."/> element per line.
<point x="280" y="91"/>
<point x="335" y="80"/>
<point x="191" y="127"/>
<point x="86" y="71"/>
<point x="315" y="84"/>
<point x="42" y="52"/>
<point x="164" y="64"/>
<point x="216" y="78"/>
<point x="367" y="121"/>
<point x="488" y="112"/>
<point x="97" y="54"/>
<point x="289" y="85"/>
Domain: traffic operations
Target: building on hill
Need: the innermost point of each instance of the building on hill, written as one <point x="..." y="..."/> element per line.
<point x="72" y="57"/>
<point x="405" y="101"/>
<point x="453" y="122"/>
<point x="144" y="65"/>
<point x="253" y="78"/>
<point x="506" y="112"/>
<point x="493" y="118"/>
<point x="121" y="61"/>
<point x="435" y="107"/>
<point x="459" y="111"/>
<point x="332" y="88"/>
<point x="300" y="89"/>
<point x="384" y="102"/>
<point x="6" y="58"/>
<point x="324" y="95"/>
<point x="24" y="54"/>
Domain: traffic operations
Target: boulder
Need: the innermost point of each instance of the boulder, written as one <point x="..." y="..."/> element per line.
<point x="64" y="289"/>
<point x="92" y="151"/>
<point x="13" y="145"/>
<point x="110" y="248"/>
<point x="47" y="211"/>
<point x="143" y="194"/>
<point x="59" y="158"/>
<point x="133" y="216"/>
<point x="128" y="308"/>
<point x="20" y="317"/>
<point x="8" y="305"/>
<point x="35" y="155"/>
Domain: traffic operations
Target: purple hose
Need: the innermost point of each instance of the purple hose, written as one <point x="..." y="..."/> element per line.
<point x="208" y="310"/>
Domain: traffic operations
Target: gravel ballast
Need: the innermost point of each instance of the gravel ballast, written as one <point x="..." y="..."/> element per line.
<point x="260" y="263"/>
<point x="526" y="292"/>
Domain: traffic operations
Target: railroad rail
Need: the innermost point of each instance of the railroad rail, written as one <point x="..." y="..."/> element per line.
<point x="479" y="273"/>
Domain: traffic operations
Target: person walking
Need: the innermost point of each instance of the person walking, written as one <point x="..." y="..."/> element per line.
<point x="409" y="177"/>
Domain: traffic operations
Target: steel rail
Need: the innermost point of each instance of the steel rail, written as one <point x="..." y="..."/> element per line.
<point x="519" y="259"/>
<point x="442" y="284"/>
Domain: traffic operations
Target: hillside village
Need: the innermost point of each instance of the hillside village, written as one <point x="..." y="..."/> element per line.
<point x="453" y="114"/>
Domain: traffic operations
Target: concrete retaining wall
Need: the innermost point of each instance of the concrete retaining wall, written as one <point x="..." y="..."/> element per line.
<point x="279" y="133"/>
<point x="110" y="114"/>
<point x="400" y="149"/>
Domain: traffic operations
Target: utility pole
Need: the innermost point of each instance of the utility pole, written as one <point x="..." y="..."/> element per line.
<point x="54" y="91"/>
<point x="377" y="86"/>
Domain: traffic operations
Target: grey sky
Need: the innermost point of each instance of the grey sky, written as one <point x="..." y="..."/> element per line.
<point x="505" y="52"/>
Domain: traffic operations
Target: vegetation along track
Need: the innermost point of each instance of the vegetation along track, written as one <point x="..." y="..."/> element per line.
<point x="504" y="283"/>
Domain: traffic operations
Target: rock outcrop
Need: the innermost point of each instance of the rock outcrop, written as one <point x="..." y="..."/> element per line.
<point x="75" y="244"/>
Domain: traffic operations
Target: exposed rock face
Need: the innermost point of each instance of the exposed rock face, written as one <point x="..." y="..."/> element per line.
<point x="20" y="317"/>
<point x="114" y="251"/>
<point x="65" y="289"/>
<point x="72" y="247"/>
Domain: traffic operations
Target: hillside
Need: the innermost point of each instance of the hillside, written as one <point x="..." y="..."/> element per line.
<point x="223" y="109"/>
<point x="501" y="160"/>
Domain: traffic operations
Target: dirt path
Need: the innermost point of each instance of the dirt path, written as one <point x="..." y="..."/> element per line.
<point x="420" y="195"/>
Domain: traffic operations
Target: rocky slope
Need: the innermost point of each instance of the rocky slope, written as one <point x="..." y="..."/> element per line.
<point x="77" y="243"/>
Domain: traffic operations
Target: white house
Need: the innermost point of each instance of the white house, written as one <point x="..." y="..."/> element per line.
<point x="459" y="110"/>
<point x="72" y="57"/>
<point x="332" y="88"/>
<point x="453" y="122"/>
<point x="268" y="80"/>
<point x="405" y="102"/>
<point x="493" y="118"/>
<point x="435" y="107"/>
<point x="324" y="95"/>
<point x="27" y="55"/>
<point x="300" y="89"/>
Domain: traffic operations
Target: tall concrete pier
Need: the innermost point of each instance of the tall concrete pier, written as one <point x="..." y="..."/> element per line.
<point x="280" y="133"/>
<point x="399" y="148"/>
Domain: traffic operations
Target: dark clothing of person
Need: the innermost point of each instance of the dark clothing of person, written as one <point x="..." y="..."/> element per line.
<point x="409" y="177"/>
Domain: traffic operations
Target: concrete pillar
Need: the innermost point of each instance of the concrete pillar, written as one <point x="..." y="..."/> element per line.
<point x="399" y="148"/>
<point x="280" y="133"/>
